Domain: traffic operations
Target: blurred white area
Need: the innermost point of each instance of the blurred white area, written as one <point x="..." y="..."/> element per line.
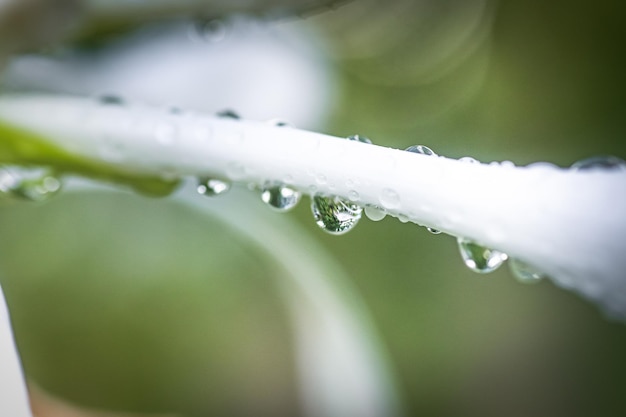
<point x="13" y="397"/>
<point x="259" y="70"/>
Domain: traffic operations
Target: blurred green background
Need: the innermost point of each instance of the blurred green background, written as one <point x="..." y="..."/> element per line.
<point x="126" y="303"/>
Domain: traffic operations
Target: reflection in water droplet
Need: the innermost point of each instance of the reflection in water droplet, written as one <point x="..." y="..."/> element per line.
<point x="600" y="163"/>
<point x="32" y="185"/>
<point x="374" y="213"/>
<point x="353" y="195"/>
<point x="421" y="149"/>
<point x="360" y="138"/>
<point x="524" y="272"/>
<point x="478" y="258"/>
<point x="433" y="231"/>
<point x="280" y="197"/>
<point x="228" y="114"/>
<point x="389" y="199"/>
<point x="212" y="187"/>
<point x="334" y="214"/>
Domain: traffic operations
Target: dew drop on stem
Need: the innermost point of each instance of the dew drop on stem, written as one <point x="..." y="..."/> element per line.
<point x="609" y="163"/>
<point x="469" y="160"/>
<point x="525" y="273"/>
<point x="212" y="187"/>
<point x="334" y="214"/>
<point x="360" y="138"/>
<point x="479" y="258"/>
<point x="421" y="149"/>
<point x="374" y="213"/>
<point x="280" y="197"/>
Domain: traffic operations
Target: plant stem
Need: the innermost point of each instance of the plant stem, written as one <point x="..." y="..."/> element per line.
<point x="568" y="224"/>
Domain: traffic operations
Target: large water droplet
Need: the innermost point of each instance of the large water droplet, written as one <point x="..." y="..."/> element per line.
<point x="421" y="149"/>
<point x="433" y="231"/>
<point x="360" y="138"/>
<point x="374" y="213"/>
<point x="524" y="272"/>
<point x="212" y="187"/>
<point x="600" y="163"/>
<point x="280" y="197"/>
<point x="479" y="258"/>
<point x="334" y="214"/>
<point x="32" y="185"/>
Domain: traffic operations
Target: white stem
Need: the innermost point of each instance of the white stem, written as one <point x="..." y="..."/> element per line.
<point x="568" y="224"/>
<point x="13" y="395"/>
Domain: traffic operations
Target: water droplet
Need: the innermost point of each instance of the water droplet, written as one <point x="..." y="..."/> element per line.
<point x="165" y="133"/>
<point x="110" y="99"/>
<point x="278" y="123"/>
<point x="478" y="258"/>
<point x="421" y="149"/>
<point x="360" y="138"/>
<point x="280" y="197"/>
<point x="433" y="231"/>
<point x="334" y="214"/>
<point x="353" y="195"/>
<point x="32" y="185"/>
<point x="403" y="218"/>
<point x="600" y="163"/>
<point x="389" y="199"/>
<point x="228" y="114"/>
<point x="212" y="187"/>
<point x="469" y="160"/>
<point x="524" y="272"/>
<point x="374" y="213"/>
